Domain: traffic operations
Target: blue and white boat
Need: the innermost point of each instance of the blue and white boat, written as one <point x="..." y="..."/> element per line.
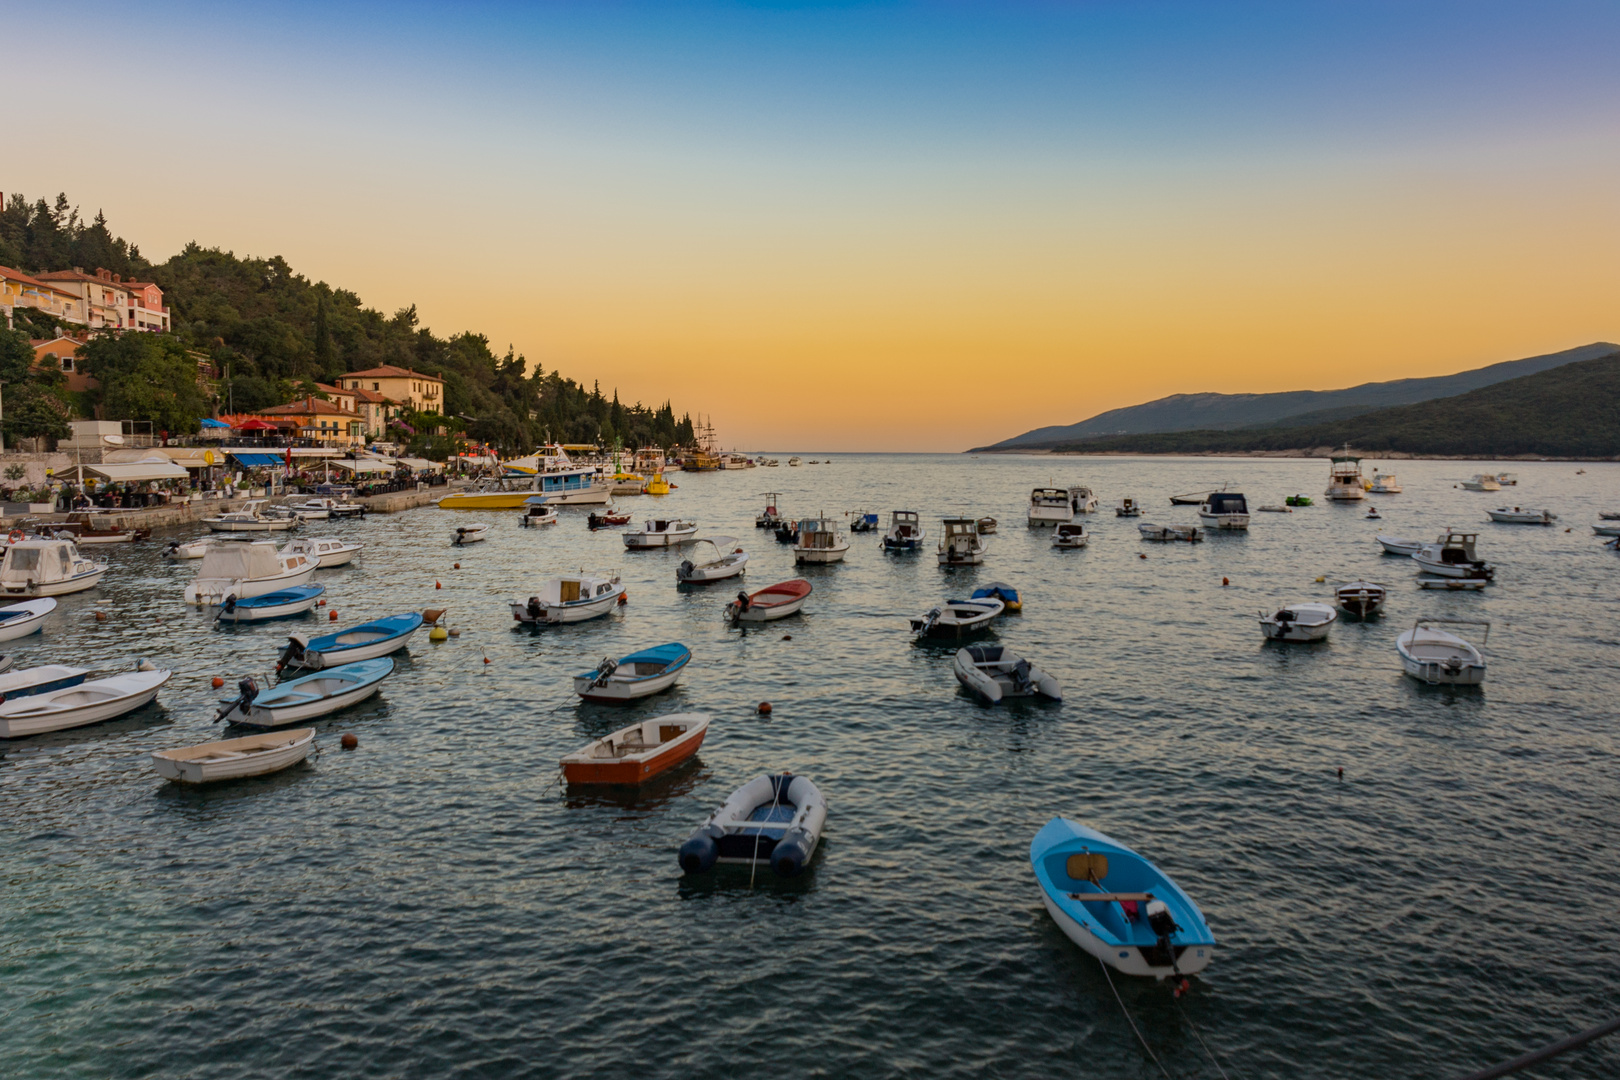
<point x="38" y="680"/>
<point x="906" y="532"/>
<point x="1116" y="905"/>
<point x="774" y="820"/>
<point x="280" y="604"/>
<point x="860" y="521"/>
<point x="369" y="640"/>
<point x="28" y="617"/>
<point x="637" y="675"/>
<point x="307" y="696"/>
<point x="1000" y="590"/>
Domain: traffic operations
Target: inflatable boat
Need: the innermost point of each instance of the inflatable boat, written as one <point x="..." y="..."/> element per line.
<point x="776" y="820"/>
<point x="995" y="672"/>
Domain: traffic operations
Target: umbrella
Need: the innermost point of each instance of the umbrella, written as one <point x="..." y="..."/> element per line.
<point x="256" y="425"/>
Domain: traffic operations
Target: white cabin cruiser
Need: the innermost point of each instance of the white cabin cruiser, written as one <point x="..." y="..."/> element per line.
<point x="1082" y="500"/>
<point x="1049" y="506"/>
<point x="1384" y="484"/>
<point x="1432" y="655"/>
<point x="1225" y="510"/>
<point x="538" y="511"/>
<point x="1518" y="515"/>
<point x="712" y="558"/>
<point x="995" y="673"/>
<point x="1363" y="599"/>
<point x="1303" y="622"/>
<point x="1453" y="556"/>
<point x="47" y="568"/>
<point x="1481" y="482"/>
<point x="960" y="545"/>
<point x="251" y="517"/>
<point x="245" y="568"/>
<point x="1071" y="534"/>
<point x="326" y="551"/>
<point x="955" y="618"/>
<point x="1344" y="478"/>
<point x="819" y="542"/>
<point x="660" y="532"/>
<point x="905" y="531"/>
<point x="570" y="599"/>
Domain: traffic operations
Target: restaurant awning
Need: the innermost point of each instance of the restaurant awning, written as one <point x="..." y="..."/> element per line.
<point x="256" y="425"/>
<point x="421" y="463"/>
<point x="259" y="461"/>
<point x="364" y="465"/>
<point x="136" y="472"/>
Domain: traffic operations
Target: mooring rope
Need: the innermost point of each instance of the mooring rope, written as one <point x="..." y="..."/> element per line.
<point x="753" y="863"/>
<point x="1213" y="1060"/>
<point x="1129" y="1021"/>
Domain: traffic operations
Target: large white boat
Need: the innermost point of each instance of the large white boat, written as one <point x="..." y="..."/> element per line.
<point x="1225" y="510"/>
<point x="561" y="487"/>
<point x="1344" y="478"/>
<point x="1453" y="556"/>
<point x="820" y="542"/>
<point x="1049" y="506"/>
<point x="245" y="568"/>
<point x="1082" y="500"/>
<point x="660" y="532"/>
<point x="47" y="568"/>
<point x="961" y="545"/>
<point x="570" y="599"/>
<point x="1481" y="482"/>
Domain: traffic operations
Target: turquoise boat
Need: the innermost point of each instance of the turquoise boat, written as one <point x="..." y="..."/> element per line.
<point x="380" y="637"/>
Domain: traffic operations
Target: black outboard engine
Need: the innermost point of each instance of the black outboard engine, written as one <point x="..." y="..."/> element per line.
<point x="686" y="568"/>
<point x="535" y="609"/>
<point x="605" y="670"/>
<point x="249" y="690"/>
<point x="1020" y="674"/>
<point x="1163" y="924"/>
<point x="293" y="652"/>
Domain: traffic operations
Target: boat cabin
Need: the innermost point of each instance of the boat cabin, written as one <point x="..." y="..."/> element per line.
<point x="1344" y="477"/>
<point x="1226" y="502"/>
<point x="818" y="533"/>
<point x="1458" y="548"/>
<point x="248" y="560"/>
<point x="961" y="534"/>
<point x="666" y="525"/>
<point x="30" y="563"/>
<point x="904" y="524"/>
<point x="1050" y="499"/>
<point x="573" y="590"/>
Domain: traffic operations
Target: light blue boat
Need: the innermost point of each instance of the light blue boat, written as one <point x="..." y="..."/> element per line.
<point x="635" y="676"/>
<point x="307" y="696"/>
<point x="1116" y="905"/>
<point x="380" y="637"/>
<point x="281" y="604"/>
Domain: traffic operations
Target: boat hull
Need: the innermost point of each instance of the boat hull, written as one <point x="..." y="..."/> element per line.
<point x="820" y="555"/>
<point x="1225" y="521"/>
<point x="637" y="771"/>
<point x="578" y="611"/>
<point x="78" y="583"/>
<point x="213" y="591"/>
<point x="516" y="500"/>
<point x="241" y="614"/>
<point x="1190" y="962"/>
<point x="1295" y="633"/>
<point x="646" y="541"/>
<point x="30" y="621"/>
<point x="281" y="716"/>
<point x="23" y="726"/>
<point x="1470" y="571"/>
<point x="262" y="525"/>
<point x="620" y="691"/>
<point x="235" y="759"/>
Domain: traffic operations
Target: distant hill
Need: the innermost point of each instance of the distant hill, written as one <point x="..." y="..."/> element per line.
<point x="1218" y="412"/>
<point x="1569" y="411"/>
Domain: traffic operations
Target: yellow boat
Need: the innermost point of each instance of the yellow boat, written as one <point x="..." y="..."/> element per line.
<point x="657" y="485"/>
<point x="566" y="487"/>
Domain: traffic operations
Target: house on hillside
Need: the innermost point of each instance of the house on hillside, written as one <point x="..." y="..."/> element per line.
<point x="424" y="393"/>
<point x="319" y="421"/>
<point x="18" y="289"/>
<point x="104" y="298"/>
<point x="64" y="350"/>
<point x="145" y="310"/>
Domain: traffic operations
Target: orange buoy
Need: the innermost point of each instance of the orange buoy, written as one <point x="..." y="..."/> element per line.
<point x="1225" y="582"/>
<point x="764" y="708"/>
<point x="1141" y="556"/>
<point x="320" y="603"/>
<point x="787" y="637"/>
<point x="436" y="585"/>
<point x="458" y="566"/>
<point x="624" y="598"/>
<point x="331" y="616"/>
<point x="349" y="741"/>
<point x="101" y="616"/>
<point x="218" y="682"/>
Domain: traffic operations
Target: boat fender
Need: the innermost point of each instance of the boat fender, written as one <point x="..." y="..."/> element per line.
<point x="699" y="852"/>
<point x="791" y="853"/>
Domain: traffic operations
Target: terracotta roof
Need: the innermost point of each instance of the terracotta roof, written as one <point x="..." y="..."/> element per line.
<point x="17" y="275"/>
<point x="140" y="285"/>
<point x="371" y="397"/>
<point x="325" y="389"/>
<point x="306" y="407"/>
<point x="75" y="275"/>
<point x="389" y="371"/>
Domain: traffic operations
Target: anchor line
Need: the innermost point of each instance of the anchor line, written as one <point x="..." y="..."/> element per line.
<point x="1199" y="1036"/>
<point x="753" y="863"/>
<point x="1154" y="1057"/>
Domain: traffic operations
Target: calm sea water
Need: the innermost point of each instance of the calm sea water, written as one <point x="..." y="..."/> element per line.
<point x="432" y="905"/>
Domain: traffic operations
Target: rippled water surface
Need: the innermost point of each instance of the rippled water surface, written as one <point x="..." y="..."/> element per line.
<point x="433" y="905"/>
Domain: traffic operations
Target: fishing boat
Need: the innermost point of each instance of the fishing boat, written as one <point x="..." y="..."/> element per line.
<point x="906" y="532"/>
<point x="1432" y="655"/>
<point x="537" y="511"/>
<point x="960" y="545"/>
<point x="1049" y="506"/>
<point x="660" y="532"/>
<point x="250" y="517"/>
<point x="1224" y="510"/>
<point x="770" y="603"/>
<point x="307" y="696"/>
<point x="28" y="617"/>
<point x="369" y="640"/>
<point x="38" y="680"/>
<point x="562" y="487"/>
<point x="819" y="542"/>
<point x="1344" y="478"/>
<point x="475" y="533"/>
<point x="787" y="532"/>
<point x="657" y="485"/>
<point x="315" y="508"/>
<point x="570" y="599"/>
<point x="1384" y="484"/>
<point x="636" y="754"/>
<point x="1116" y="905"/>
<point x="246" y="568"/>
<point x="1071" y="534"/>
<point x="1164" y="533"/>
<point x="1302" y="622"/>
<point x="80" y="704"/>
<point x="987" y="525"/>
<point x="605" y="519"/>
<point x="1363" y="599"/>
<point x="88" y="528"/>
<point x="712" y="558"/>
<point x="326" y="551"/>
<point x="1128" y="508"/>
<point x="957" y="618"/>
<point x="995" y="672"/>
<point x="1000" y="590"/>
<point x="281" y="604"/>
<point x="638" y="675"/>
<point x="773" y="820"/>
<point x="1447" y="584"/>
<point x="1395" y="545"/>
<point x="190" y="549"/>
<point x="770" y="517"/>
<point x="1453" y="556"/>
<point x="1190" y="498"/>
<point x="1518" y="515"/>
<point x="862" y="522"/>
<point x="1481" y="482"/>
<point x="1299" y="500"/>
<point x="47" y="568"/>
<point x="235" y="759"/>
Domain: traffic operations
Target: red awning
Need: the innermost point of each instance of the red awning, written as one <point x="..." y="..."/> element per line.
<point x="256" y="425"/>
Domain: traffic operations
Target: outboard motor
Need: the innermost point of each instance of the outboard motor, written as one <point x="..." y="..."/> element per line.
<point x="930" y="619"/>
<point x="1163" y="924"/>
<point x="1020" y="674"/>
<point x="700" y="850"/>
<point x="535" y="610"/>
<point x="605" y="670"/>
<point x="686" y="568"/>
<point x="249" y="690"/>
<point x="293" y="653"/>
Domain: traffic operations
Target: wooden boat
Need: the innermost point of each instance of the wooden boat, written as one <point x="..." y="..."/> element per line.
<point x="995" y="672"/>
<point x="1517" y="515"/>
<point x="307" y="696"/>
<point x="281" y="604"/>
<point x="660" y="532"/>
<point x="250" y="517"/>
<point x="38" y="680"/>
<point x="770" y="603"/>
<point x="957" y="618"/>
<point x="538" y="512"/>
<point x="90" y="528"/>
<point x="234" y="759"/>
<point x="905" y="531"/>
<point x="819" y="541"/>
<point x="1000" y="590"/>
<point x="1434" y="656"/>
<point x="1116" y="905"/>
<point x="570" y="599"/>
<point x="28" y="617"/>
<point x="1452" y="555"/>
<point x="773" y="820"/>
<point x="470" y="534"/>
<point x="636" y="754"/>
<point x="80" y="704"/>
<point x="368" y="641"/>
<point x="47" y="568"/>
<point x="770" y="517"/>
<point x="1363" y="599"/>
<point x="960" y="545"/>
<point x="246" y="568"/>
<point x="326" y="551"/>
<point x="1303" y="622"/>
<point x="1169" y="533"/>
<point x="1128" y="508"/>
<point x="987" y="525"/>
<point x="1071" y="534"/>
<point x="638" y="675"/>
<point x="713" y="558"/>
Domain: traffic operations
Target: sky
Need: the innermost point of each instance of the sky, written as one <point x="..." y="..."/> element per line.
<point x="878" y="226"/>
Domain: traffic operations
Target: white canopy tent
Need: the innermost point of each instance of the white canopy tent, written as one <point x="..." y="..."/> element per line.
<point x="363" y="465"/>
<point x="136" y="472"/>
<point x="422" y="463"/>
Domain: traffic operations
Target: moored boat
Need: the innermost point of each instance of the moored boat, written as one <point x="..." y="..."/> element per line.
<point x="995" y="672"/>
<point x="1481" y="482"/>
<point x="1395" y="545"/>
<point x="369" y="640"/>
<point x="28" y="617"/>
<point x="89" y="528"/>
<point x="1432" y="655"/>
<point x="537" y="511"/>
<point x="562" y="487"/>
<point x="1384" y="484"/>
<point x="326" y="551"/>
<point x="1165" y="533"/>
<point x="773" y="820"/>
<point x="636" y="754"/>
<point x="250" y="517"/>
<point x="235" y="759"/>
<point x="1453" y="556"/>
<point x="189" y="549"/>
<point x="819" y="541"/>
<point x="281" y="604"/>
<point x="1049" y="506"/>
<point x="1344" y="478"/>
<point x="770" y="603"/>
<point x="1518" y="515"/>
<point x="470" y="534"/>
<point x="957" y="618"/>
<point x="1190" y="498"/>
<point x="1299" y="500"/>
<point x="1363" y="599"/>
<point x="638" y="675"/>
<point x="571" y="598"/>
<point x="660" y="532"/>
<point x="1000" y="590"/>
<point x="769" y="517"/>
<point x="1302" y="622"/>
<point x="605" y="519"/>
<point x="246" y="568"/>
<point x="1225" y="510"/>
<point x="657" y="485"/>
<point x="906" y="532"/>
<point x="960" y="544"/>
<point x="38" y="680"/>
<point x="711" y="558"/>
<point x="987" y="525"/>
<point x="47" y="568"/>
<point x="307" y="696"/>
<point x="862" y="522"/>
<point x="1128" y="507"/>
<point x="1071" y="534"/>
<point x="315" y="508"/>
<point x="79" y="704"/>
<point x="1447" y="584"/>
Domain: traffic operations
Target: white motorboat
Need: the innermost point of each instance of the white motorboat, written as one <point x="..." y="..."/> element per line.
<point x="906" y="532"/>
<point x="820" y="542"/>
<point x="1518" y="515"/>
<point x="570" y="599"/>
<point x="307" y="696"/>
<point x="638" y="675"/>
<point x="1163" y="533"/>
<point x="793" y="461"/>
<point x="235" y="759"/>
<point x="960" y="545"/>
<point x="660" y="532"/>
<point x="1432" y="655"/>
<point x="539" y="511"/>
<point x="190" y="549"/>
<point x="250" y="517"/>
<point x="1071" y="534"/>
<point x="955" y="618"/>
<point x="1049" y="506"/>
<point x="1344" y="478"/>
<point x="326" y="551"/>
<point x="47" y="568"/>
<point x="712" y="558"/>
<point x="1606" y="530"/>
<point x="1307" y="621"/>
<point x="1450" y="584"/>
<point x="246" y="568"/>
<point x="1082" y="500"/>
<point x="309" y="510"/>
<point x="774" y="821"/>
<point x="1395" y="545"/>
<point x="1384" y="484"/>
<point x="475" y="533"/>
<point x="1128" y="508"/>
<point x="770" y="603"/>
<point x="1363" y="599"/>
<point x="995" y="672"/>
<point x="328" y="508"/>
<point x="1225" y="510"/>
<point x="38" y="680"/>
<point x="28" y="617"/>
<point x="76" y="706"/>
<point x="1453" y="556"/>
<point x="1481" y="482"/>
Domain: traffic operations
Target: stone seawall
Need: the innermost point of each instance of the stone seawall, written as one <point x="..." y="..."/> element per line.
<point x="180" y="515"/>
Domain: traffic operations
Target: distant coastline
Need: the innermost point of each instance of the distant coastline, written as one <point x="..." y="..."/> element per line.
<point x="1315" y="452"/>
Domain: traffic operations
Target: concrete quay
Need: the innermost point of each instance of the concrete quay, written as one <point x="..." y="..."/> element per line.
<point x="180" y="515"/>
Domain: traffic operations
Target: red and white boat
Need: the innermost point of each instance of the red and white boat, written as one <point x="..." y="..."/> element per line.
<point x="636" y="754"/>
<point x="770" y="603"/>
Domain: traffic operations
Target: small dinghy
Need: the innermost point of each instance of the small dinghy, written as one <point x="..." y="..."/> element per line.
<point x="1447" y="584"/>
<point x="605" y="519"/>
<point x="995" y="672"/>
<point x="771" y="820"/>
<point x="770" y="517"/>
<point x="1453" y="556"/>
<point x="987" y="525"/>
<point x="1071" y="534"/>
<point x="660" y="532"/>
<point x="233" y="759"/>
<point x="38" y="680"/>
<point x="1274" y="509"/>
<point x="307" y="696"/>
<point x="1000" y="590"/>
<point x="955" y="618"/>
<point x="638" y="675"/>
<point x="770" y="603"/>
<point x="28" y="617"/>
<point x="713" y="558"/>
<point x="1518" y="515"/>
<point x="1436" y="656"/>
<point x="1299" y="622"/>
<point x="282" y="604"/>
<point x="1116" y="905"/>
<point x="636" y="754"/>
<point x="538" y="512"/>
<point x="470" y="534"/>
<point x="1363" y="599"/>
<point x="368" y="641"/>
<point x="1168" y="533"/>
<point x="326" y="551"/>
<point x="1395" y="545"/>
<point x="570" y="599"/>
<point x="1606" y="530"/>
<point x="191" y="549"/>
<point x="81" y="704"/>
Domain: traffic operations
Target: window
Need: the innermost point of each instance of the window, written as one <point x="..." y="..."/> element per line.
<point x="67" y="363"/>
<point x="374" y="386"/>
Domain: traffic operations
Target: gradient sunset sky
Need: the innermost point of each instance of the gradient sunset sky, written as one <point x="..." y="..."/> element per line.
<point x="876" y="226"/>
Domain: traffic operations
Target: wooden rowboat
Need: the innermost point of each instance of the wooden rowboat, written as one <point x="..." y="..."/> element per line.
<point x="636" y="754"/>
<point x="232" y="759"/>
